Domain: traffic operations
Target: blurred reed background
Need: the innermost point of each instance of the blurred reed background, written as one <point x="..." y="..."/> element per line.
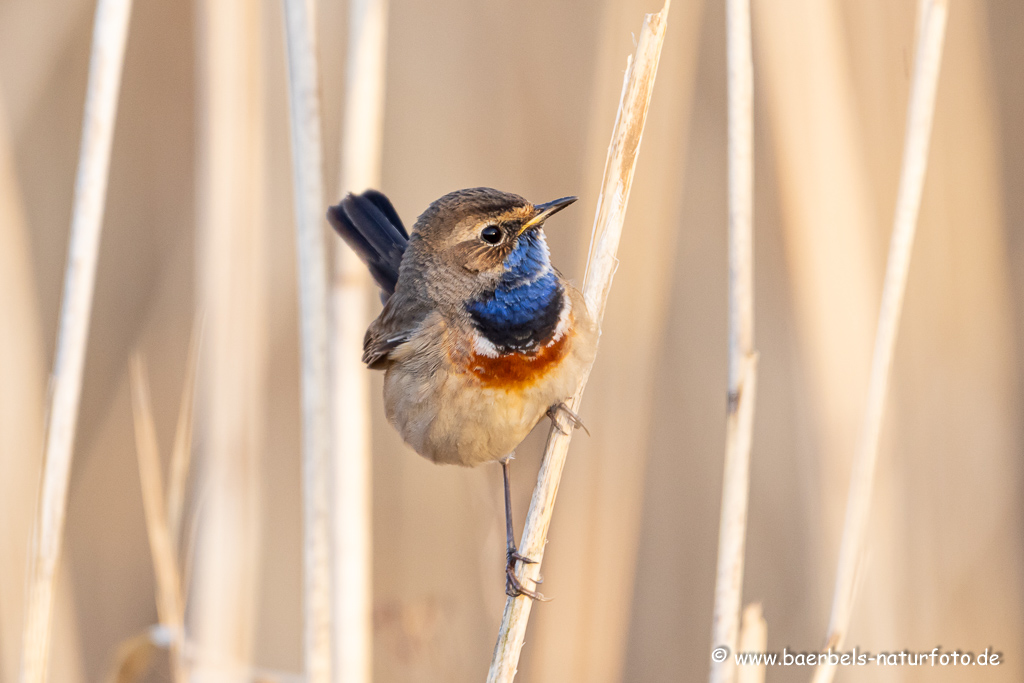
<point x="521" y="96"/>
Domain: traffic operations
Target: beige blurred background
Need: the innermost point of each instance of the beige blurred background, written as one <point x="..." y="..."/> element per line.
<point x="521" y="96"/>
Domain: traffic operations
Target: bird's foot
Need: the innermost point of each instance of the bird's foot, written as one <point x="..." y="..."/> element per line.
<point x="512" y="554"/>
<point x="574" y="420"/>
<point x="513" y="586"/>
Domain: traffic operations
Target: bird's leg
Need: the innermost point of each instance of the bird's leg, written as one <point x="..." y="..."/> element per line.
<point x="513" y="586"/>
<point x="513" y="551"/>
<point x="573" y="418"/>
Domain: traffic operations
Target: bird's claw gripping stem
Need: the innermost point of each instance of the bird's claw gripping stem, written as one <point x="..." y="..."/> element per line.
<point x="574" y="420"/>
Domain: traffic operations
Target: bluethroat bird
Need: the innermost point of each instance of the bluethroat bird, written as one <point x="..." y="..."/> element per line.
<point x="480" y="337"/>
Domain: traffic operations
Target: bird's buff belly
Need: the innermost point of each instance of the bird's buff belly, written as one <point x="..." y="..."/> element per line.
<point x="478" y="410"/>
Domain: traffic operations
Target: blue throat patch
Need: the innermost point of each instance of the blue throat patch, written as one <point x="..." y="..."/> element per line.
<point x="523" y="310"/>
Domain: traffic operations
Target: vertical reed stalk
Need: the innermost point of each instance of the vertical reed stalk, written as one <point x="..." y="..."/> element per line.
<point x="623" y="151"/>
<point x="21" y="404"/>
<point x="110" y="35"/>
<point x="753" y="638"/>
<point x="170" y="603"/>
<point x="362" y="133"/>
<point x="181" y="452"/>
<point x="742" y="357"/>
<point x="807" y="85"/>
<point x="920" y="111"/>
<point x="230" y="237"/>
<point x="307" y="163"/>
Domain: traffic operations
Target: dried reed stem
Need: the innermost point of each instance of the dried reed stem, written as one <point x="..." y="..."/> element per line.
<point x="362" y="132"/>
<point x="21" y="405"/>
<point x="110" y="34"/>
<point x="303" y="87"/>
<point x="181" y="452"/>
<point x="753" y="638"/>
<point x="807" y="85"/>
<point x="170" y="603"/>
<point x="230" y="267"/>
<point x="732" y="530"/>
<point x="931" y="33"/>
<point x="627" y="133"/>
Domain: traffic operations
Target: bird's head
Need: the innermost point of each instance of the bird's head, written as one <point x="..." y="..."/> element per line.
<point x="471" y="241"/>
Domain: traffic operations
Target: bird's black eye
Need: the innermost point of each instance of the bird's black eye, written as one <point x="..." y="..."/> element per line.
<point x="491" y="234"/>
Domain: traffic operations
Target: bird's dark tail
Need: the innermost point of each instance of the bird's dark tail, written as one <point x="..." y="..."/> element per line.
<point x="370" y="225"/>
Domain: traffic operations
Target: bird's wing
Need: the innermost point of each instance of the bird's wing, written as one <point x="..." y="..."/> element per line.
<point x="403" y="319"/>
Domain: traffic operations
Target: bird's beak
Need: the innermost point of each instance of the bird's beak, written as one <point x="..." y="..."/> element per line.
<point x="546" y="211"/>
